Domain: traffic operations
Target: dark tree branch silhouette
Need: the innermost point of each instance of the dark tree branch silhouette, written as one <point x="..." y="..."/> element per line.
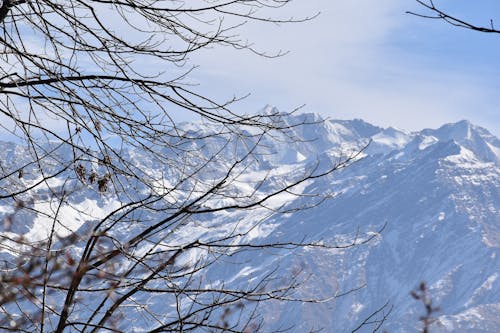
<point x="437" y="13"/>
<point x="422" y="294"/>
<point x="91" y="90"/>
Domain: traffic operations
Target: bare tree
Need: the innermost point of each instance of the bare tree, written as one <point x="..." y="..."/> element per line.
<point x="91" y="89"/>
<point x="437" y="13"/>
<point x="422" y="294"/>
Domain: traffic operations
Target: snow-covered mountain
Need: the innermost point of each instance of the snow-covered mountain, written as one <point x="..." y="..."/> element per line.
<point x="429" y="200"/>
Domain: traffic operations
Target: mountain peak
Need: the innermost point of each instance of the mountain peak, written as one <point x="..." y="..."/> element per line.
<point x="437" y="200"/>
<point x="269" y="110"/>
<point x="474" y="138"/>
<point x="459" y="131"/>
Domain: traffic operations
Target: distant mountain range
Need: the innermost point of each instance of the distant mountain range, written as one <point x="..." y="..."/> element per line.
<point x="430" y="200"/>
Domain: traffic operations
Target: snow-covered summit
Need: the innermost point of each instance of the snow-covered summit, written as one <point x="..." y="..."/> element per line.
<point x="436" y="191"/>
<point x="475" y="138"/>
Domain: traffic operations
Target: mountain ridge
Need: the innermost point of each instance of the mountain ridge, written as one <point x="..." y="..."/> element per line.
<point x="430" y="199"/>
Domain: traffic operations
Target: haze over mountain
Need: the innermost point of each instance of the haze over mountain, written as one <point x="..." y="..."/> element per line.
<point x="429" y="200"/>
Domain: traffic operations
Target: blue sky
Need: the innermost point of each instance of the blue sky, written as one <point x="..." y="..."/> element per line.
<point x="367" y="59"/>
<point x="362" y="59"/>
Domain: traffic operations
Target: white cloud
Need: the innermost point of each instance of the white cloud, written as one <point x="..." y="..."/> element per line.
<point x="347" y="63"/>
<point x="350" y="62"/>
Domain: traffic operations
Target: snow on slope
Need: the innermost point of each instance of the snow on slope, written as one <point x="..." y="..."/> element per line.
<point x="436" y="191"/>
